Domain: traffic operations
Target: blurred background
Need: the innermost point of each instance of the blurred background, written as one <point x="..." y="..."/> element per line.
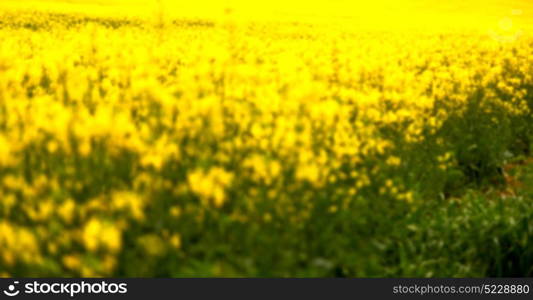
<point x="486" y="14"/>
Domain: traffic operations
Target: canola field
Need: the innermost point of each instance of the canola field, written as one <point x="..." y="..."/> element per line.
<point x="138" y="142"/>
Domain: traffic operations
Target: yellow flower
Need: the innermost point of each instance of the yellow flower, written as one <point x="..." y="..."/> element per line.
<point x="394" y="161"/>
<point x="210" y="185"/>
<point x="309" y="172"/>
<point x="152" y="244"/>
<point x="98" y="234"/>
<point x="130" y="202"/>
<point x="66" y="210"/>
<point x="72" y="262"/>
<point x="111" y="238"/>
<point x="91" y="234"/>
<point x="175" y="241"/>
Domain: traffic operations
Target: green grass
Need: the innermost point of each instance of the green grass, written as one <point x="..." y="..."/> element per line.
<point x="486" y="232"/>
<point x="479" y="234"/>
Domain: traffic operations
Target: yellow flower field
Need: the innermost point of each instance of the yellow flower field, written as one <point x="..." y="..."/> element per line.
<point x="160" y="142"/>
